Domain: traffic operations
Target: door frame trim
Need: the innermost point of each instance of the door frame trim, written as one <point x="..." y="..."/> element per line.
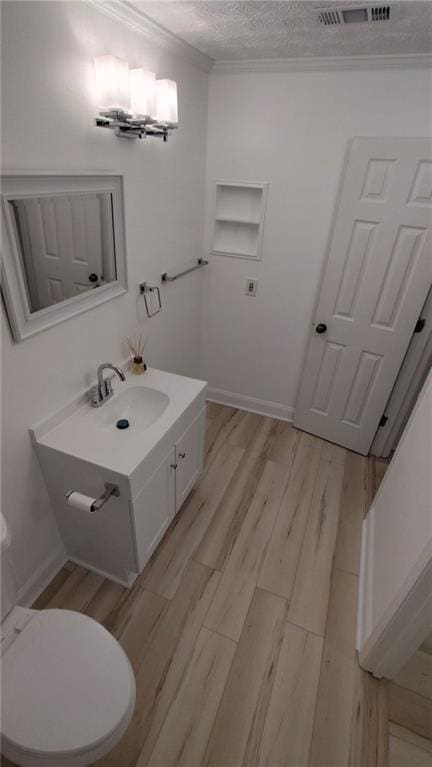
<point x="406" y="623"/>
<point x="412" y="374"/>
<point x="407" y="620"/>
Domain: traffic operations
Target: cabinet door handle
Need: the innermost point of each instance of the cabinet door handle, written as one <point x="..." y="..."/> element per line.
<point x="182" y="455"/>
<point x="173" y="466"/>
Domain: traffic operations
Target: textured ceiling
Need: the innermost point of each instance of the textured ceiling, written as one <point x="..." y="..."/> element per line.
<point x="260" y="30"/>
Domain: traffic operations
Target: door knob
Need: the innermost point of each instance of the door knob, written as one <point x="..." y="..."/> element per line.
<point x="182" y="455"/>
<point x="320" y="328"/>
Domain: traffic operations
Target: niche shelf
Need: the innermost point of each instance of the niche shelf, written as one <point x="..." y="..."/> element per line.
<point x="238" y="219"/>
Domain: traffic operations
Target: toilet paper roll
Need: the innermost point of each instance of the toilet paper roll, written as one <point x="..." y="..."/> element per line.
<point x="80" y="501"/>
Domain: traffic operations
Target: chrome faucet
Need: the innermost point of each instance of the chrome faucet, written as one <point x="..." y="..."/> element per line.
<point x="104" y="389"/>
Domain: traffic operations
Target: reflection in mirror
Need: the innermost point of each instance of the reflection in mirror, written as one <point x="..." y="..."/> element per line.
<point x="63" y="246"/>
<point x="66" y="244"/>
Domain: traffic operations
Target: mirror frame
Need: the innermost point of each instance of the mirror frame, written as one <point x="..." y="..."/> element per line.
<point x="17" y="184"/>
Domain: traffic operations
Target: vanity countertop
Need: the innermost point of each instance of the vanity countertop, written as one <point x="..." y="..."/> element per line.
<point x="90" y="434"/>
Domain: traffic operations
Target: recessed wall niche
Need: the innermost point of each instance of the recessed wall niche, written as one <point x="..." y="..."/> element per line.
<point x="238" y="219"/>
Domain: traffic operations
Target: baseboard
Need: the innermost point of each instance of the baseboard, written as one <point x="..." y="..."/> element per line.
<point x="365" y="580"/>
<point x="251" y="404"/>
<point x="40" y="579"/>
<point x="127" y="582"/>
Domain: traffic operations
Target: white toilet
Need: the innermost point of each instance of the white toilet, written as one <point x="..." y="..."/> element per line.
<point x="68" y="689"/>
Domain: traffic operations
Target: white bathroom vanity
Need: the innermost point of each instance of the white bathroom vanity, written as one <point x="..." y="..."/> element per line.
<point x="153" y="463"/>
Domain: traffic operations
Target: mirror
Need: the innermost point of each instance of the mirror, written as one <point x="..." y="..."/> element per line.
<point x="64" y="247"/>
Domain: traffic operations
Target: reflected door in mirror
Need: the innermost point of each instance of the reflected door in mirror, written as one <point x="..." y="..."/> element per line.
<point x="66" y="243"/>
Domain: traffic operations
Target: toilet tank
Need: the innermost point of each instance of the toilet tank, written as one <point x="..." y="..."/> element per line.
<point x="8" y="582"/>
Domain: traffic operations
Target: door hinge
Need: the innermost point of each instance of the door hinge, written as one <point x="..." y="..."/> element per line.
<point x="421" y="322"/>
<point x="383" y="421"/>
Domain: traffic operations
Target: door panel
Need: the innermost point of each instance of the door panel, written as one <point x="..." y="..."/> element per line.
<point x="154" y="508"/>
<point x="325" y="377"/>
<point x="376" y="280"/>
<point x="189" y="458"/>
<point x="355" y="263"/>
<point x="400" y="272"/>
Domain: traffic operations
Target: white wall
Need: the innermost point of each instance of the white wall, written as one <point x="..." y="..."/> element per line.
<point x="288" y="129"/>
<point x="292" y="131"/>
<point x="395" y="598"/>
<point x="402" y="527"/>
<point x="48" y="108"/>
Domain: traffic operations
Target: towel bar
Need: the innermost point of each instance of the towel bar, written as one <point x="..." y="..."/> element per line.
<point x="165" y="277"/>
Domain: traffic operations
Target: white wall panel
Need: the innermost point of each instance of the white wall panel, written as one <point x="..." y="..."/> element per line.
<point x="48" y="109"/>
<point x="292" y="130"/>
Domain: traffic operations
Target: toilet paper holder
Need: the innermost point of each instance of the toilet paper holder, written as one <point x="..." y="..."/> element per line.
<point x="110" y="490"/>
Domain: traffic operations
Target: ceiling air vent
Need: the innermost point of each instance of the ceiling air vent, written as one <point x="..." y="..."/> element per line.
<point x="354" y="15"/>
<point x="381" y="13"/>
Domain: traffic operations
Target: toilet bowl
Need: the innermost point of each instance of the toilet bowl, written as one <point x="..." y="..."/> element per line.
<point x="68" y="689"/>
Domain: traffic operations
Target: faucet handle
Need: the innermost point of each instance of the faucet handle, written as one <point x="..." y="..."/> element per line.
<point x="108" y="387"/>
<point x="94" y="395"/>
<point x="99" y="394"/>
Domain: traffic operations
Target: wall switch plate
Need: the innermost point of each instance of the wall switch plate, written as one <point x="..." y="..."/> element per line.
<point x="251" y="287"/>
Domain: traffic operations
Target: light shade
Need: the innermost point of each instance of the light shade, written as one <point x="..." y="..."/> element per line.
<point x="142" y="92"/>
<point x="166" y="102"/>
<point x="112" y="82"/>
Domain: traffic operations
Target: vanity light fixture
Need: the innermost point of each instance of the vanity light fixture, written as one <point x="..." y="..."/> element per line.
<point x="112" y="82"/>
<point x="132" y="102"/>
<point x="143" y="93"/>
<point x="166" y="102"/>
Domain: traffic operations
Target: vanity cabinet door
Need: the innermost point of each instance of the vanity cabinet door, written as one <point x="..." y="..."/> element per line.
<point x="154" y="508"/>
<point x="189" y="458"/>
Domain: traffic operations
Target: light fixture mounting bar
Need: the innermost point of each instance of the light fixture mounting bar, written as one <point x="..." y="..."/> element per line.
<point x="129" y="127"/>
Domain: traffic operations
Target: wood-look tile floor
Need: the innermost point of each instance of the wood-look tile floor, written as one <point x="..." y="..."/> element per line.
<point x="241" y="629"/>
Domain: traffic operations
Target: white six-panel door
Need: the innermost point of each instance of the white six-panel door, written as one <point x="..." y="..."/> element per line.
<point x="377" y="277"/>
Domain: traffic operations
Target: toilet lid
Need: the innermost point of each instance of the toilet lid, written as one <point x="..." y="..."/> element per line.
<point x="66" y="685"/>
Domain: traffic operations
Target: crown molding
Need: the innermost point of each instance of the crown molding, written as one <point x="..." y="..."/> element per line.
<point x="325" y="64"/>
<point x="127" y="14"/>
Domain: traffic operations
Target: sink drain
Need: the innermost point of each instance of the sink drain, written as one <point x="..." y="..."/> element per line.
<point x="123" y="423"/>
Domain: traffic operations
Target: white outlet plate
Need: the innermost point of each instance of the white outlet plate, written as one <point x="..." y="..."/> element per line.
<point x="251" y="287"/>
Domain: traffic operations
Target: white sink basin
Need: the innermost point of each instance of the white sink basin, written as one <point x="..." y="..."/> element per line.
<point x="152" y="403"/>
<point x="139" y="405"/>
